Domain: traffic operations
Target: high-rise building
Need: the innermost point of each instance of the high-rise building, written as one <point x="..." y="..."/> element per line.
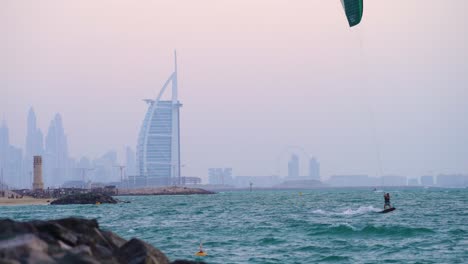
<point x="314" y="169"/>
<point x="34" y="137"/>
<point x="293" y="166"/>
<point x="158" y="147"/>
<point x="56" y="153"/>
<point x="11" y="160"/>
<point x="130" y="161"/>
<point x="4" y="143"/>
<point x="34" y="141"/>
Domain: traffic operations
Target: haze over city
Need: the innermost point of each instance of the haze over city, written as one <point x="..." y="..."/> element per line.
<point x="254" y="78"/>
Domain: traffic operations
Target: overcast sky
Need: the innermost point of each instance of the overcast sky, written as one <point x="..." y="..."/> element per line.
<point x="254" y="77"/>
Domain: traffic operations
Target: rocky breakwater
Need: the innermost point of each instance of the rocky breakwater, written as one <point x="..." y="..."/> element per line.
<point x="170" y="190"/>
<point x="86" y="198"/>
<point x="72" y="240"/>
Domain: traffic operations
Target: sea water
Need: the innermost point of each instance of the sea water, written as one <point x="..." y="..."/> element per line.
<point x="308" y="226"/>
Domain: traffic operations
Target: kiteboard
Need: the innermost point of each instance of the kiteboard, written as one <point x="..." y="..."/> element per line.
<point x="387" y="210"/>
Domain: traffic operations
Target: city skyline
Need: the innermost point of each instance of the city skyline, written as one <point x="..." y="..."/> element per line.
<point x="17" y="174"/>
<point x="263" y="77"/>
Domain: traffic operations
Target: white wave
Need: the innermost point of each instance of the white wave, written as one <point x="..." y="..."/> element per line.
<point x="320" y="211"/>
<point x="360" y="210"/>
<point x="345" y="224"/>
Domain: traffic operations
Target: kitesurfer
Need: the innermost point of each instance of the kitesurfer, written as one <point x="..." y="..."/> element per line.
<point x="387" y="201"/>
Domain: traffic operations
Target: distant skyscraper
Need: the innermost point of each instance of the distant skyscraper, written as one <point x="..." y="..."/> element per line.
<point x="293" y="166"/>
<point x="130" y="161"/>
<point x="34" y="141"/>
<point x="4" y="143"/>
<point x="34" y="136"/>
<point x="158" y="147"/>
<point x="11" y="160"/>
<point x="314" y="169"/>
<point x="56" y="153"/>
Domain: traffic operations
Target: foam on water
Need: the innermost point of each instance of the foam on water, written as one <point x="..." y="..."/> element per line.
<point x="359" y="210"/>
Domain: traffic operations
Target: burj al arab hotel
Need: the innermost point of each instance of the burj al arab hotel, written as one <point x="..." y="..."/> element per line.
<point x="158" y="147"/>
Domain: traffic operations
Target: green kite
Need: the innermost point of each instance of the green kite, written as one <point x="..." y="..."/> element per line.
<point x="353" y="10"/>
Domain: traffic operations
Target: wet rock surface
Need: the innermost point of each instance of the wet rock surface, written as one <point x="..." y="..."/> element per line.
<point x="73" y="240"/>
<point x="85" y="198"/>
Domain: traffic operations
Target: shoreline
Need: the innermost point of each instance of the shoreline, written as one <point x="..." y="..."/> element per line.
<point x="24" y="201"/>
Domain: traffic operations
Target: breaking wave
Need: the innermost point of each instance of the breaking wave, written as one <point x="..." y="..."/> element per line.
<point x="360" y="210"/>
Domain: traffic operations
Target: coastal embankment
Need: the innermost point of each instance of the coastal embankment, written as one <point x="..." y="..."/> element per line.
<point x="169" y="190"/>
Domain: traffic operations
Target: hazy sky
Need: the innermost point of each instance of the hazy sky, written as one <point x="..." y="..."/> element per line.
<point x="255" y="77"/>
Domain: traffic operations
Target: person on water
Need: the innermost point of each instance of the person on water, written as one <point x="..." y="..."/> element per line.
<point x="387" y="201"/>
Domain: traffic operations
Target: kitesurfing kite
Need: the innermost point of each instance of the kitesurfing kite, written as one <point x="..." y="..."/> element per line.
<point x="353" y="10"/>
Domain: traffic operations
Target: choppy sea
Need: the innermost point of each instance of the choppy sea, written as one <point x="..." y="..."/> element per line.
<point x="309" y="226"/>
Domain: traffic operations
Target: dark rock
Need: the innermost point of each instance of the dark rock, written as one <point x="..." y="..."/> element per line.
<point x="77" y="258"/>
<point x="136" y="251"/>
<point x="72" y="240"/>
<point x="79" y="224"/>
<point x="113" y="239"/>
<point x="55" y="232"/>
<point x="85" y="198"/>
<point x="10" y="228"/>
<point x="25" y="248"/>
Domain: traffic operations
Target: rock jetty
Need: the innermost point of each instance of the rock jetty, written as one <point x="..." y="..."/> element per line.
<point x="170" y="190"/>
<point x="85" y="198"/>
<point x="73" y="240"/>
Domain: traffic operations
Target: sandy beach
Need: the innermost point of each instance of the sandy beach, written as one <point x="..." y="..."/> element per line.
<point x="24" y="201"/>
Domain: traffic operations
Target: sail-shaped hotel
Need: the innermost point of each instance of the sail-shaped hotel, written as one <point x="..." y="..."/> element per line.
<point x="158" y="147"/>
